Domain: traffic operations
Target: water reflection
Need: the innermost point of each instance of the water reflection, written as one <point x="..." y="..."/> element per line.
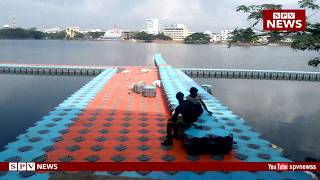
<point x="26" y="99"/>
<point x="285" y="112"/>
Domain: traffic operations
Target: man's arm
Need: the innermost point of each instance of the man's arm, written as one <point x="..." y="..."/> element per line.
<point x="177" y="111"/>
<point x="205" y="107"/>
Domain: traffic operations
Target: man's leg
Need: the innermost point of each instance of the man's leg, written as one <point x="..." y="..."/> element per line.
<point x="170" y="128"/>
<point x="176" y="126"/>
<point x="197" y="112"/>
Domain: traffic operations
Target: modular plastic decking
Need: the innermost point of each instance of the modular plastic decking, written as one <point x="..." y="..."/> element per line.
<point x="105" y="122"/>
<point x="252" y="74"/>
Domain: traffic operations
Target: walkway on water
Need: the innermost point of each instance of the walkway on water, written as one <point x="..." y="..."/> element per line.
<point x="51" y="69"/>
<point x="252" y="74"/>
<point x="105" y="122"/>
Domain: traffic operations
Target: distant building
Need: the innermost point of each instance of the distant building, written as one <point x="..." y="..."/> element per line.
<point x="225" y="34"/>
<point x="6" y="26"/>
<point x="263" y="39"/>
<point x="210" y="35"/>
<point x="177" y="32"/>
<point x="287" y="40"/>
<point x="127" y="34"/>
<point x="85" y="31"/>
<point x="51" y="30"/>
<point x="71" y="31"/>
<point x="153" y="26"/>
<point x="112" y="34"/>
<point x="216" y="37"/>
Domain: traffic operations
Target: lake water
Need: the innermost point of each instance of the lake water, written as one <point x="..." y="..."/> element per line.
<point x="26" y="99"/>
<point x="285" y="112"/>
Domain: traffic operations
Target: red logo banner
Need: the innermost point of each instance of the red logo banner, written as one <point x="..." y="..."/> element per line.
<point x="160" y="166"/>
<point x="284" y="20"/>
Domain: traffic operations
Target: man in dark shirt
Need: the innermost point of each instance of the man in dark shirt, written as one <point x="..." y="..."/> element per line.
<point x="187" y="110"/>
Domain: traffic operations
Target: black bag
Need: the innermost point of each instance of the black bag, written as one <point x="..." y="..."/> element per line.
<point x="217" y="145"/>
<point x="196" y="146"/>
<point x="221" y="145"/>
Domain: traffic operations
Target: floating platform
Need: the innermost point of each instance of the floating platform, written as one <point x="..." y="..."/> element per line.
<point x="105" y="122"/>
<point x="252" y="74"/>
<point x="89" y="70"/>
<point x="52" y="69"/>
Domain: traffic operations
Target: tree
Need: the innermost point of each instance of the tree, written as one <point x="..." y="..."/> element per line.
<point x="57" y="35"/>
<point x="243" y="36"/>
<point x="197" y="38"/>
<point x="95" y="35"/>
<point x="36" y="34"/>
<point x="161" y="36"/>
<point x="144" y="36"/>
<point x="79" y="35"/>
<point x="275" y="36"/>
<point x="19" y="33"/>
<point x="256" y="11"/>
<point x="308" y="40"/>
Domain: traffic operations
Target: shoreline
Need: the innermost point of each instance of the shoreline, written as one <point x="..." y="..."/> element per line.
<point x="157" y="42"/>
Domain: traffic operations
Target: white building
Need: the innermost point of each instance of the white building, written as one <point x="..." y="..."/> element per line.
<point x="225" y="34"/>
<point x="85" y="31"/>
<point x="6" y="26"/>
<point x="263" y="39"/>
<point x="177" y="32"/>
<point x="71" y="31"/>
<point x="51" y="30"/>
<point x="210" y="35"/>
<point x="153" y="26"/>
<point x="112" y="34"/>
<point x="287" y="40"/>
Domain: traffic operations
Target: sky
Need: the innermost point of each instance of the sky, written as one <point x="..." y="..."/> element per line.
<point x="198" y="15"/>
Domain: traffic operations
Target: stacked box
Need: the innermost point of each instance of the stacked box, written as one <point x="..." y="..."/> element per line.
<point x="138" y="87"/>
<point x="149" y="91"/>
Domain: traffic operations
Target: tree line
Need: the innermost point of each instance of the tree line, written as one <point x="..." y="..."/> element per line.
<point x="32" y="33"/>
<point x="195" y="38"/>
<point x="19" y="33"/>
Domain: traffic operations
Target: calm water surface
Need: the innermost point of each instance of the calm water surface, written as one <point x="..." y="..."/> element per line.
<point x="285" y="112"/>
<point x="26" y="99"/>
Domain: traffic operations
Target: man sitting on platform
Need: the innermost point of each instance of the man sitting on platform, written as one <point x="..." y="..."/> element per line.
<point x="197" y="100"/>
<point x="188" y="111"/>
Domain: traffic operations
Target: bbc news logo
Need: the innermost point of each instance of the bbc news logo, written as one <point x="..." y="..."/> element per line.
<point x="31" y="166"/>
<point x="284" y="20"/>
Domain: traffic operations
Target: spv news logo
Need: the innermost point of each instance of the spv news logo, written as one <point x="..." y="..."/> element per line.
<point x="31" y="166"/>
<point x="284" y="20"/>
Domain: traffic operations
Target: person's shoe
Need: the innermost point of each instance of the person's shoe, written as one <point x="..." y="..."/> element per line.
<point x="175" y="136"/>
<point x="167" y="142"/>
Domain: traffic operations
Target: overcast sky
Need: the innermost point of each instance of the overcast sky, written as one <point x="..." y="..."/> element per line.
<point x="198" y="15"/>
